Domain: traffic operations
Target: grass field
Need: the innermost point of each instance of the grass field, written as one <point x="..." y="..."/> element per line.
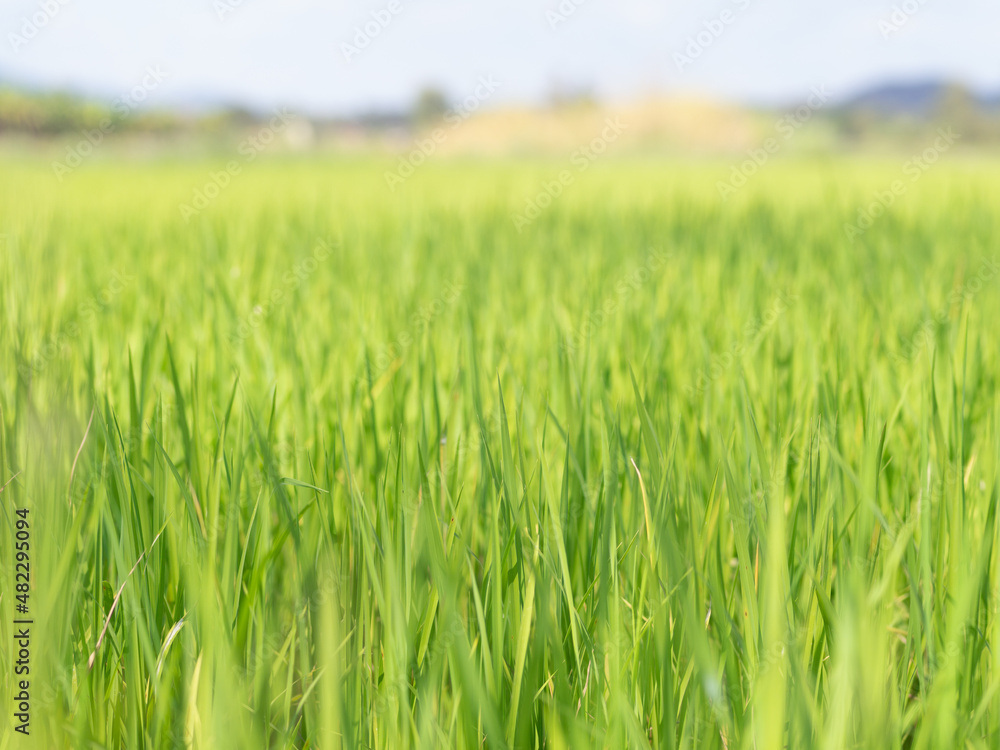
<point x="328" y="465"/>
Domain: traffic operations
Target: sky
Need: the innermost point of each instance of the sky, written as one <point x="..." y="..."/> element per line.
<point x="336" y="57"/>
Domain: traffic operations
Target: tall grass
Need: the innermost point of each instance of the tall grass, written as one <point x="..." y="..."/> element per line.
<point x="343" y="467"/>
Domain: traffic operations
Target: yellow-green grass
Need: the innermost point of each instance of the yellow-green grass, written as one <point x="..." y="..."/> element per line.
<point x="339" y="466"/>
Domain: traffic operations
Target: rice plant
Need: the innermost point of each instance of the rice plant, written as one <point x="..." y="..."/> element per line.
<point x="325" y="465"/>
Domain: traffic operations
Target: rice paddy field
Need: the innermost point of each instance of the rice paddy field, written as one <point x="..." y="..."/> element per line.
<point x="310" y="462"/>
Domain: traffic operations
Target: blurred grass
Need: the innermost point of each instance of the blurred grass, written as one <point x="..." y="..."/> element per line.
<point x="398" y="475"/>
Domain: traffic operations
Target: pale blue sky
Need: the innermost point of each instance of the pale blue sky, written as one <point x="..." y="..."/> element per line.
<point x="264" y="52"/>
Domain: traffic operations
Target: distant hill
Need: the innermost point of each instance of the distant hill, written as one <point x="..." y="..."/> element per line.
<point x="904" y="115"/>
<point x="892" y="116"/>
<point x="920" y="99"/>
